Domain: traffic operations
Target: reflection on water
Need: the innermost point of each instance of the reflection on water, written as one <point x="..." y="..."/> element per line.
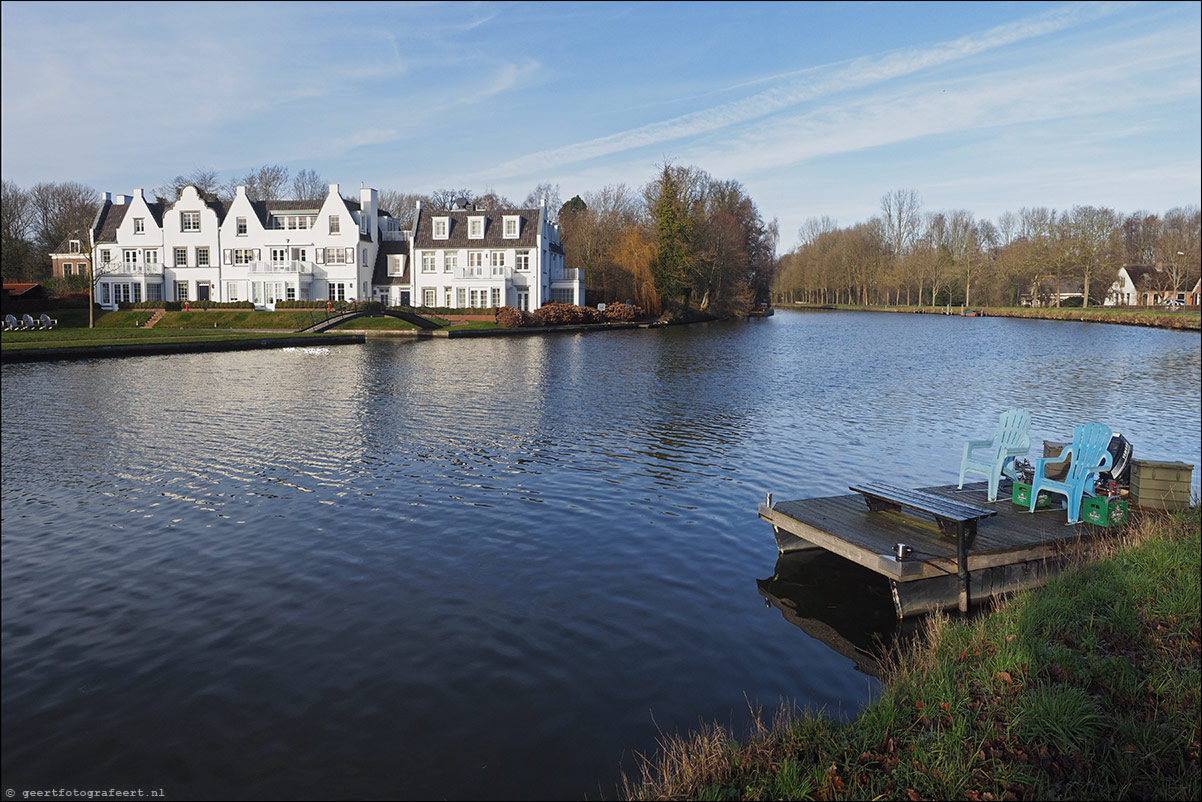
<point x="839" y="603"/>
<point x="480" y="568"/>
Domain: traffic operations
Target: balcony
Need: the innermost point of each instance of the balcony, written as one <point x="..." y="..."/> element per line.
<point x="259" y="268"/>
<point x="484" y="272"/>
<point x="567" y="274"/>
<point x="118" y="267"/>
<point x="396" y="236"/>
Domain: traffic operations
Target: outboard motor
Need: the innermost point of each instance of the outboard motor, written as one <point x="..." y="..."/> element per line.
<point x="1120" y="462"/>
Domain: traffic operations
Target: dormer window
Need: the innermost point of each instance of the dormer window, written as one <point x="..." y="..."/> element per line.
<point x="513" y="225"/>
<point x="139" y="225"/>
<point x="442" y="227"/>
<point x="396" y="265"/>
<point x="475" y="228"/>
<point x="74" y="246"/>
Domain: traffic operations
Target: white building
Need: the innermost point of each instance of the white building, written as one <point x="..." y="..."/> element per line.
<point x="259" y="251"/>
<point x="465" y="258"/>
<point x="335" y="249"/>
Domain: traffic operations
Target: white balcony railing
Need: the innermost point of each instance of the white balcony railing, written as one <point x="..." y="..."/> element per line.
<point x="280" y="267"/>
<point x="484" y="272"/>
<point x="119" y="267"/>
<point x="396" y="236"/>
<point x="567" y="274"/>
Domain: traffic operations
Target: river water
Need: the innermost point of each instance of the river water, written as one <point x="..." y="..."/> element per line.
<point x="489" y="568"/>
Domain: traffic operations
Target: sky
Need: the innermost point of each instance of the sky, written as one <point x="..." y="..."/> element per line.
<point x="817" y="109"/>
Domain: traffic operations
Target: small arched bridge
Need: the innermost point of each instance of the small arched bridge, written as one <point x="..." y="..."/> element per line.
<point x="338" y="318"/>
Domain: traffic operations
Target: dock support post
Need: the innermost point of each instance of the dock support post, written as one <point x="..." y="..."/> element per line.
<point x="962" y="567"/>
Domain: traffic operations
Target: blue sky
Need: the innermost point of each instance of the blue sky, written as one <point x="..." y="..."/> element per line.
<point x="817" y="108"/>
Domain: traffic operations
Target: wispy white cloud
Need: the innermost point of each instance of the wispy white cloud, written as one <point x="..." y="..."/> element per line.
<point x="810" y="84"/>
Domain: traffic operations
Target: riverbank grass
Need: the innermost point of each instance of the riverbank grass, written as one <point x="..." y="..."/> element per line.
<point x="1088" y="688"/>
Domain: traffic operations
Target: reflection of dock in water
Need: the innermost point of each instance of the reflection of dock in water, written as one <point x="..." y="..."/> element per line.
<point x="847" y="607"/>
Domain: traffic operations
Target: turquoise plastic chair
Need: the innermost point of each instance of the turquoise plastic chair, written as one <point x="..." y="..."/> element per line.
<point x="1089" y="458"/>
<point x="1009" y="441"/>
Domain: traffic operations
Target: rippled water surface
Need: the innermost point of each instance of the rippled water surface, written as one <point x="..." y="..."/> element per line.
<point x="487" y="568"/>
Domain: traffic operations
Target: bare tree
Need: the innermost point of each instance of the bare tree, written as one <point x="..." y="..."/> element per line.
<point x="307" y="185"/>
<point x="442" y="199"/>
<point x="269" y="182"/>
<point x="814" y="227"/>
<point x="550" y="193"/>
<point x="401" y="205"/>
<point x="206" y="182"/>
<point x="16" y="222"/>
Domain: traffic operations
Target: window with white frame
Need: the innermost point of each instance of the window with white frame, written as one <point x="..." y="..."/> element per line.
<point x="181" y="257"/>
<point x="562" y="295"/>
<point x="427" y="262"/>
<point x="512" y="224"/>
<point x="73" y="246"/>
<point x="104" y="293"/>
<point x="522" y="260"/>
<point x="450" y="261"/>
<point x="429" y="297"/>
<point x="104" y="255"/>
<point x="396" y="264"/>
<point x="189" y="221"/>
<point x="241" y="226"/>
<point x="337" y="256"/>
<point x="498" y="258"/>
<point x="202" y="257"/>
<point x="139" y="225"/>
<point x="244" y="256"/>
<point x="442" y="227"/>
<point x="335" y="224"/>
<point x="231" y="291"/>
<point x="151" y="256"/>
<point x="363" y="258"/>
<point x="475" y="228"/>
<point x="154" y="292"/>
<point x="461" y="298"/>
<point x="496" y="297"/>
<point x="336" y="290"/>
<point x="475" y="259"/>
<point x="181" y="290"/>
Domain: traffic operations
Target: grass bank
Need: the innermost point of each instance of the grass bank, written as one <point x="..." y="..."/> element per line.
<point x="1186" y="320"/>
<point x="1085" y="689"/>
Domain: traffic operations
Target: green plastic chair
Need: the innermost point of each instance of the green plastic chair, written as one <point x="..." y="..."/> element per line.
<point x="1090" y="456"/>
<point x="1009" y="441"/>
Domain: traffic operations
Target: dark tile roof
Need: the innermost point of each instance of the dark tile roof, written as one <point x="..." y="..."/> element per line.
<point x="111" y="215"/>
<point x="64" y="247"/>
<point x="380" y="277"/>
<point x="494" y="229"/>
<point x="1140" y="274"/>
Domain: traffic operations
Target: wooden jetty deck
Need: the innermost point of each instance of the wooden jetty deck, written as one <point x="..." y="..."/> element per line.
<point x="1012" y="550"/>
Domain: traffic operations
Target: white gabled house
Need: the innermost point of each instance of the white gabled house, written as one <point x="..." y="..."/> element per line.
<point x="197" y="249"/>
<point x="472" y="258"/>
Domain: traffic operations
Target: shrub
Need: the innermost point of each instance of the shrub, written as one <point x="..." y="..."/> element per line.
<point x="622" y="312"/>
<point x="510" y="317"/>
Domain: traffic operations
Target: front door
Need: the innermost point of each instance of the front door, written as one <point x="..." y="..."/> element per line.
<point x="202" y="291"/>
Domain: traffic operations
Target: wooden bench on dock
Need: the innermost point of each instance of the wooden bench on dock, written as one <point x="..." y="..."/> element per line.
<point x="955" y="518"/>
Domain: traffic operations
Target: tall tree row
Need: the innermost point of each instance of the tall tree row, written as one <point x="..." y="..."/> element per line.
<point x="906" y="256"/>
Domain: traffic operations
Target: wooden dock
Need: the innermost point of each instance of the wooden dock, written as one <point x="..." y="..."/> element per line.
<point x="1010" y="551"/>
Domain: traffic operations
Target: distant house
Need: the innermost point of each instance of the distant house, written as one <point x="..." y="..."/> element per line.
<point x="71" y="258"/>
<point x="1046" y="293"/>
<point x="1144" y="285"/>
<point x="1194" y="296"/>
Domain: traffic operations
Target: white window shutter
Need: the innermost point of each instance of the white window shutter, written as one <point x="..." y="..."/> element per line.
<point x="227" y="257"/>
<point x="350" y="256"/>
<point x="321" y="255"/>
<point x="257" y="255"/>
